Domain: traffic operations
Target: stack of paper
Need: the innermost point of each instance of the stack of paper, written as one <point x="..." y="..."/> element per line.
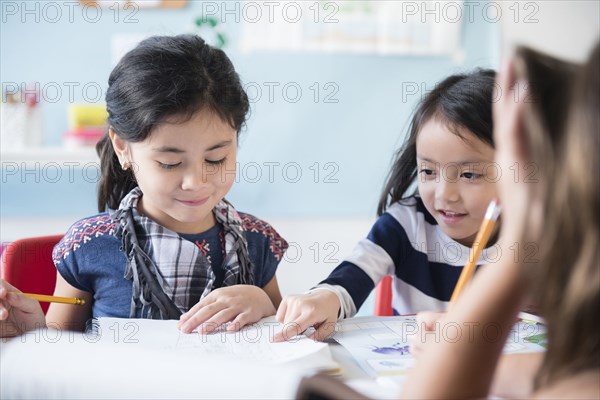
<point x="253" y="343"/>
<point x="143" y="359"/>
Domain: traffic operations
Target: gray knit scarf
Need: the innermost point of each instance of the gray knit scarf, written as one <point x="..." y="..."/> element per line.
<point x="170" y="274"/>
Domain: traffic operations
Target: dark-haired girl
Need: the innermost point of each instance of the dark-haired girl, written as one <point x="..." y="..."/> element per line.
<point x="421" y="237"/>
<point x="166" y="245"/>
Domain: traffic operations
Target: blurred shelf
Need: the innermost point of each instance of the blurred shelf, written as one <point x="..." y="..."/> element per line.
<point x="43" y="155"/>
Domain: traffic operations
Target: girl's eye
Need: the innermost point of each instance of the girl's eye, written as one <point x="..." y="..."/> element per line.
<point x="216" y="162"/>
<point x="167" y="166"/>
<point x="471" y="176"/>
<point x="427" y="172"/>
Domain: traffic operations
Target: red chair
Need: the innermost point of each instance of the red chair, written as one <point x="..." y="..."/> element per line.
<point x="383" y="297"/>
<point x="27" y="265"/>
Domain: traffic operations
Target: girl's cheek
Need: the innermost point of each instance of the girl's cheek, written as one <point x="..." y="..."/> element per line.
<point x="226" y="176"/>
<point x="230" y="170"/>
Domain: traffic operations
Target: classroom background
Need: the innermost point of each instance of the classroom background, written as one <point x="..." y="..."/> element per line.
<point x="331" y="85"/>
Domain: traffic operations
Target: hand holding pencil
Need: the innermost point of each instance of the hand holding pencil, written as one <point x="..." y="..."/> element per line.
<point x="18" y="314"/>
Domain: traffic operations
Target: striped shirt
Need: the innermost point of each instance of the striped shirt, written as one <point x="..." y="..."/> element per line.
<point x="405" y="242"/>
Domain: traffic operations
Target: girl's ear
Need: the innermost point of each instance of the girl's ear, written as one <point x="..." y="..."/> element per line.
<point x="121" y="149"/>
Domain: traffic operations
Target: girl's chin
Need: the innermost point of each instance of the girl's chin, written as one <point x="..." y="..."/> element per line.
<point x="201" y="221"/>
<point x="465" y="240"/>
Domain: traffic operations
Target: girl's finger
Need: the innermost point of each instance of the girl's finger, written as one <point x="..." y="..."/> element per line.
<point x="208" y="300"/>
<point x="300" y="324"/>
<point x="239" y="322"/>
<point x="23" y="303"/>
<point x="290" y="329"/>
<point x="217" y="320"/>
<point x="282" y="310"/>
<point x="323" y="331"/>
<point x="3" y="313"/>
<point x="200" y="316"/>
<point x="292" y="315"/>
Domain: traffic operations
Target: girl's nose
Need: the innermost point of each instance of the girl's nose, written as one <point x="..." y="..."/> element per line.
<point x="191" y="182"/>
<point x="447" y="190"/>
<point x="193" y="178"/>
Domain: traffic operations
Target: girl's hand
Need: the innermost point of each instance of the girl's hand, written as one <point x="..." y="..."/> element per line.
<point x="18" y="314"/>
<point x="318" y="309"/>
<point x="240" y="304"/>
<point x="427" y="324"/>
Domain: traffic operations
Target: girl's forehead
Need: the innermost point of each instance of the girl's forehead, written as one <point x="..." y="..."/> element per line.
<point x="439" y="141"/>
<point x="444" y="127"/>
<point x="202" y="128"/>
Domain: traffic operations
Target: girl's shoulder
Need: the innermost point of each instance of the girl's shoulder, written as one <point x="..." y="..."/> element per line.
<point x="261" y="231"/>
<point x="91" y="227"/>
<point x="87" y="232"/>
<point x="252" y="224"/>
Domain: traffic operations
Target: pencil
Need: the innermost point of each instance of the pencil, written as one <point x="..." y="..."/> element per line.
<point x="55" y="299"/>
<point x="485" y="231"/>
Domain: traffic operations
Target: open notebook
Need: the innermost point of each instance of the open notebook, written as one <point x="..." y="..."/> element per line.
<point x="141" y="359"/>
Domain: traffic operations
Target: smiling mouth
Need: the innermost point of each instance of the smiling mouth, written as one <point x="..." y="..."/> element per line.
<point x="450" y="217"/>
<point x="451" y="214"/>
<point x="193" y="203"/>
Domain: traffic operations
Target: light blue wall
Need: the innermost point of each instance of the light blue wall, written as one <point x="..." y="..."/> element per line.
<point x="356" y="136"/>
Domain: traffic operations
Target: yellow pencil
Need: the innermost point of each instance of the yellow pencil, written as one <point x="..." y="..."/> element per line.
<point x="55" y="299"/>
<point x="487" y="227"/>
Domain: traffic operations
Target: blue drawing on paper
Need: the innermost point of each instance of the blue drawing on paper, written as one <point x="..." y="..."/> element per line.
<point x="395" y="349"/>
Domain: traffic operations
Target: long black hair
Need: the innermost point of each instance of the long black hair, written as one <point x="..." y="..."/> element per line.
<point x="164" y="77"/>
<point x="459" y="101"/>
